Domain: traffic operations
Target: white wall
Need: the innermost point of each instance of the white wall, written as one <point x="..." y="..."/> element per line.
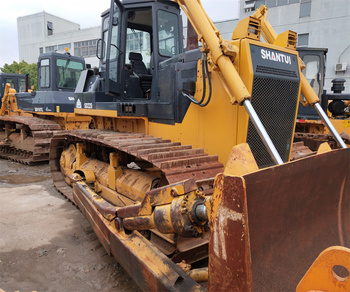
<point x="33" y="35"/>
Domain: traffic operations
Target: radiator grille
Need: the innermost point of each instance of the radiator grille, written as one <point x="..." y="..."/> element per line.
<point x="275" y="102"/>
<point x="276" y="71"/>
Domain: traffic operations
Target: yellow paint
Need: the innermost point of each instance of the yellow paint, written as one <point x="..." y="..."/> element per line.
<point x="114" y="170"/>
<point x="96" y="112"/>
<point x="80" y="155"/>
<point x="272" y="38"/>
<point x="9" y="102"/>
<point x="321" y="277"/>
<point x="324" y="147"/>
<point x="112" y="196"/>
<point x="241" y="161"/>
<point x="212" y="39"/>
<point x="346" y="123"/>
<point x="340" y="125"/>
<point x="287" y="39"/>
<point x="220" y="125"/>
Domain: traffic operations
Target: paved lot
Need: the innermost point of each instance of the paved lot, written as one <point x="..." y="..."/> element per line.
<point x="45" y="242"/>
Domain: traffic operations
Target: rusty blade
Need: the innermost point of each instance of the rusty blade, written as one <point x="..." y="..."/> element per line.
<point x="295" y="211"/>
<point x="229" y="248"/>
<point x="149" y="268"/>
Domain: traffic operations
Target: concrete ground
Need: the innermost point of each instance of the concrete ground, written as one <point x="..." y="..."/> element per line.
<point x="45" y="242"/>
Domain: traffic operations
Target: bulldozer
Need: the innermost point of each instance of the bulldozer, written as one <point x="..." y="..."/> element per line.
<point x="29" y="118"/>
<point x="16" y="81"/>
<point x="186" y="178"/>
<point x="309" y="128"/>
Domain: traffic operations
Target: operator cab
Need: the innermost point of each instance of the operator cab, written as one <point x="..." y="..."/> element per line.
<point x="59" y="72"/>
<point x="58" y="75"/>
<point x="142" y="64"/>
<point x="314" y="72"/>
<point x="17" y="81"/>
<point x="144" y="33"/>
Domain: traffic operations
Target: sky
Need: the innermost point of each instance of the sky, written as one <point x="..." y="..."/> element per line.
<point x="84" y="12"/>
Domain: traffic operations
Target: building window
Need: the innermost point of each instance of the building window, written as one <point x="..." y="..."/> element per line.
<point x="293" y="1"/>
<point x="49" y="28"/>
<point x="63" y="47"/>
<point x="305" y="8"/>
<point x="249" y="6"/>
<point x="139" y="42"/>
<point x="303" y="40"/>
<point x="41" y="50"/>
<point x="50" y="49"/>
<point x="85" y="48"/>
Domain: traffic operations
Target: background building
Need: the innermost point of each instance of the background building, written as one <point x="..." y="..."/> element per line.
<point x="43" y="32"/>
<point x="318" y="23"/>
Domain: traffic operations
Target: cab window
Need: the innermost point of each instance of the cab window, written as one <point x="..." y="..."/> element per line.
<point x="68" y="73"/>
<point x="311" y="72"/>
<point x="168" y="35"/>
<point x="45" y="73"/>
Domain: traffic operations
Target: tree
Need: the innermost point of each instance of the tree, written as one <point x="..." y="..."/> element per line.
<point x="23" y="68"/>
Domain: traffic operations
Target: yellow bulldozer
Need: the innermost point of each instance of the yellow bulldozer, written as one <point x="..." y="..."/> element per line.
<point x="28" y="119"/>
<point x="186" y="175"/>
<point x="310" y="129"/>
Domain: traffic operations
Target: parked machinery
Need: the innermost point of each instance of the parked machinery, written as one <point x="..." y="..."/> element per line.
<point x="150" y="178"/>
<point x="310" y="129"/>
<point x="16" y="81"/>
<point x="29" y="119"/>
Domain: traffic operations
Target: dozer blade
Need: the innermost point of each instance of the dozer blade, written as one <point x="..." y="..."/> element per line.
<point x="273" y="223"/>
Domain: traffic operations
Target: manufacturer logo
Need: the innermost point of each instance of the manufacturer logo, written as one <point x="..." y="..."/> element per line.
<point x="38" y="109"/>
<point x="277" y="57"/>
<point x="70" y="98"/>
<point x="78" y="104"/>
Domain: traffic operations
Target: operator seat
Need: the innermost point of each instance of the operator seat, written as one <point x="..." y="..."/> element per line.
<point x="69" y="83"/>
<point x="140" y="71"/>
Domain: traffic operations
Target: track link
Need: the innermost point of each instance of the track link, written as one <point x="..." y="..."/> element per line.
<point x="31" y="146"/>
<point x="177" y="162"/>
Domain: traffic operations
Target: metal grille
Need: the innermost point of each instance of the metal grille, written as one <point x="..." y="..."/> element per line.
<point x="276" y="71"/>
<point x="275" y="102"/>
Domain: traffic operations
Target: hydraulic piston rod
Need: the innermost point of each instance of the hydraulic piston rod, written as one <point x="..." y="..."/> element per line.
<point x="262" y="132"/>
<point x="329" y="125"/>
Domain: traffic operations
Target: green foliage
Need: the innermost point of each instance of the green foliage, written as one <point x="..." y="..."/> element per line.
<point x="23" y="68"/>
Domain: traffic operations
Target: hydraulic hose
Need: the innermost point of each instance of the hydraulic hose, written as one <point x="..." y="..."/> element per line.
<point x="205" y="74"/>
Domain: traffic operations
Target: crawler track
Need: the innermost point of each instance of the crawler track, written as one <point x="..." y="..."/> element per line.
<point x="28" y="138"/>
<point x="177" y="162"/>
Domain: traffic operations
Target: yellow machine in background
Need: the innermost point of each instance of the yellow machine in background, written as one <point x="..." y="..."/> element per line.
<point x="310" y="128"/>
<point x="186" y="177"/>
<point x="29" y="119"/>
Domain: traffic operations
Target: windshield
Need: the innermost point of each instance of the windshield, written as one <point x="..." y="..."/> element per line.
<point x="68" y="73"/>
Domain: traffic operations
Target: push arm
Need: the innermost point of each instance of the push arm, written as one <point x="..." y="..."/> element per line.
<point x="221" y="52"/>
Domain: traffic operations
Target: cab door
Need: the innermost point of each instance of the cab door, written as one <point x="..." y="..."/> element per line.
<point x="114" y="53"/>
<point x="314" y="59"/>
